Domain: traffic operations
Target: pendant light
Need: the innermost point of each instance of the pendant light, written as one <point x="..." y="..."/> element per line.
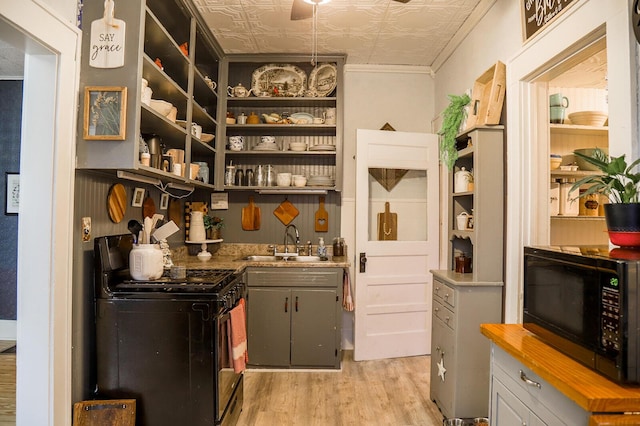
<point x="314" y="30"/>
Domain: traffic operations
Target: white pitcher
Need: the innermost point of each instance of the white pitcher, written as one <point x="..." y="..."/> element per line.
<point x="196" y="227"/>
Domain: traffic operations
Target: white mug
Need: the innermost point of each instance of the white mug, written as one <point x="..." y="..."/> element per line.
<point x="330" y="116"/>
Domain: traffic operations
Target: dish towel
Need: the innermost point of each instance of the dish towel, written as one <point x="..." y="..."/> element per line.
<point x="238" y="337"/>
<point x="347" y="299"/>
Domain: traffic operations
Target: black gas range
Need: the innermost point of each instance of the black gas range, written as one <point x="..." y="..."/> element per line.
<point x="165" y="342"/>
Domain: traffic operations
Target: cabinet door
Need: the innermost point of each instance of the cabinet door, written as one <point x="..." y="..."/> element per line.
<point x="268" y="324"/>
<point x="442" y="367"/>
<point x="507" y="409"/>
<point x="313" y="328"/>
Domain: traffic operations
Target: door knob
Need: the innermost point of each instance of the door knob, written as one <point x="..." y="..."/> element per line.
<point x="363" y="262"/>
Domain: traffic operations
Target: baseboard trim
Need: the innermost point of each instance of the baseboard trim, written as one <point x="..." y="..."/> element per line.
<point x="8" y="329"/>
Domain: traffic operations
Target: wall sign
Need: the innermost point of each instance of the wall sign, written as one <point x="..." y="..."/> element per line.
<point x="106" y="48"/>
<point x="538" y="13"/>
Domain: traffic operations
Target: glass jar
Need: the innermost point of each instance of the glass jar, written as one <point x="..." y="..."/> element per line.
<point x="338" y="246"/>
<point x="229" y="176"/>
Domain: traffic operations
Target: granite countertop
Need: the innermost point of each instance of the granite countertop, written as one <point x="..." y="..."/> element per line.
<point x="230" y="256"/>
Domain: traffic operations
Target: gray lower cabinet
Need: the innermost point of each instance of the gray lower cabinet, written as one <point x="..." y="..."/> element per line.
<point x="459" y="353"/>
<point x="520" y="397"/>
<point x="293" y="317"/>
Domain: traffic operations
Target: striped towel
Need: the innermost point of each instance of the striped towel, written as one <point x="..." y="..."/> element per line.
<point x="238" y="337"/>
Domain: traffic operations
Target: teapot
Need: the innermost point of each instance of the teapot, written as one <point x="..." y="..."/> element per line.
<point x="238" y="91"/>
<point x="463" y="179"/>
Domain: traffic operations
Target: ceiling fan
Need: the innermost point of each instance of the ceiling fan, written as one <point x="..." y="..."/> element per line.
<point x="303" y="9"/>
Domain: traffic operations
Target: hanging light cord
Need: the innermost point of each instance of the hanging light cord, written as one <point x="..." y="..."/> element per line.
<point x="314" y="36"/>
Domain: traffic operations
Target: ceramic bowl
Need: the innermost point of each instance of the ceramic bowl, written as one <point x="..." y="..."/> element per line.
<point x="283" y="179"/>
<point x="161" y="107"/>
<point x="297" y="146"/>
<point x="299" y="181"/>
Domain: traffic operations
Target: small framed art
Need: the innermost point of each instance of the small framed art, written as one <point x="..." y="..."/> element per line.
<point x="105" y="112"/>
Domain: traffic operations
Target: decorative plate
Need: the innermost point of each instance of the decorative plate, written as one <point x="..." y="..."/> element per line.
<point x="301" y="118"/>
<point x="288" y="79"/>
<point x="323" y="79"/>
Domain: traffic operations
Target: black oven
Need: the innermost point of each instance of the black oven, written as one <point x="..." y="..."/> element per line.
<point x="165" y="342"/>
<point x="584" y="301"/>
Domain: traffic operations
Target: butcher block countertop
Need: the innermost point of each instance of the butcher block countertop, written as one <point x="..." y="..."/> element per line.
<point x="591" y="391"/>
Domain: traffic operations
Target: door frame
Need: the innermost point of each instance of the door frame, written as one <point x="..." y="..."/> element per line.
<point x="44" y="326"/>
<point x="580" y="25"/>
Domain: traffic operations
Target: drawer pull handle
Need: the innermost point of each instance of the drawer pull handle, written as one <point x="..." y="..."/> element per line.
<point x="528" y="381"/>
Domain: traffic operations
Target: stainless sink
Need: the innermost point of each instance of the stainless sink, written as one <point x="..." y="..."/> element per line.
<point x="261" y="258"/>
<point x="306" y="259"/>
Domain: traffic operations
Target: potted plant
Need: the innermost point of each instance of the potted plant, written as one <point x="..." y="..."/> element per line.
<point x="452" y="117"/>
<point x="213" y="226"/>
<point x="621" y="185"/>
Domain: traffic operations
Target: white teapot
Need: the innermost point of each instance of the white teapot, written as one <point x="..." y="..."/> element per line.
<point x="238" y="91"/>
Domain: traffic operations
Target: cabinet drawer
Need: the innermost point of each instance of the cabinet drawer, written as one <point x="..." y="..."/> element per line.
<point x="444" y="315"/>
<point x="294" y="277"/>
<point x="542" y="398"/>
<point x="444" y="293"/>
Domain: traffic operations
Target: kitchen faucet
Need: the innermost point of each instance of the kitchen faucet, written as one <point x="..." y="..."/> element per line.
<point x="287" y="236"/>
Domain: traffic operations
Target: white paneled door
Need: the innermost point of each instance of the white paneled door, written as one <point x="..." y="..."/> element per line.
<point x="397" y="223"/>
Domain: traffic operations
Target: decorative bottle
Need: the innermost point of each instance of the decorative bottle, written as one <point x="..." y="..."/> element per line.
<point x="322" y="249"/>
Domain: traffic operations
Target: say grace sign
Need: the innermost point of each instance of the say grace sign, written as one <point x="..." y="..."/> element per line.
<point x="538" y="13"/>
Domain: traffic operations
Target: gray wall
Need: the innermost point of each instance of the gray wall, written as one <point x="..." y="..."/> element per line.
<point x="11" y="113"/>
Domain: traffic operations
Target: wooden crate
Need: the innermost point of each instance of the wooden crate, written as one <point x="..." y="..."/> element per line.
<point x="487" y="97"/>
<point x="113" y="412"/>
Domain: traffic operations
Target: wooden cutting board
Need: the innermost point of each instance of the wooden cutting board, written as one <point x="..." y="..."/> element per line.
<point x="115" y="412"/>
<point x="117" y="202"/>
<point x="148" y="207"/>
<point x="251" y="216"/>
<point x="322" y="218"/>
<point x="387" y="224"/>
<point x="174" y="211"/>
<point x="286" y="212"/>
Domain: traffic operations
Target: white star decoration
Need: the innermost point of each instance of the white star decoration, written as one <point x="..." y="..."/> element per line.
<point x="441" y="369"/>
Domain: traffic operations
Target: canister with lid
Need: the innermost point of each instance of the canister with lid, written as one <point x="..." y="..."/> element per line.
<point x="569" y="205"/>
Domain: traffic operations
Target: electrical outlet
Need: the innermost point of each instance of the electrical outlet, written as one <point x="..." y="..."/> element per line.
<point x="86" y="229"/>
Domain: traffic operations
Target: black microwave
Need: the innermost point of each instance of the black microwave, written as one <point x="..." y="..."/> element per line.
<point x="585" y="301"/>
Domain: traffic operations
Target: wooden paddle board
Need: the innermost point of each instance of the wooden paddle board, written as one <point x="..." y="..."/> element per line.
<point x="387" y="224"/>
<point x="322" y="218"/>
<point x="251" y="216"/>
<point x="117" y="202"/>
<point x="286" y="212"/>
<point x="148" y="207"/>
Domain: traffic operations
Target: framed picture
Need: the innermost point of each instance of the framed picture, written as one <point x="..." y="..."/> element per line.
<point x="470" y="222"/>
<point x="105" y="112"/>
<point x="13" y="193"/>
<point x="138" y="197"/>
<point x="164" y="201"/>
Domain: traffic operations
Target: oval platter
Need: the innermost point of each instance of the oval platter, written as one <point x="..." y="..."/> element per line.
<point x="323" y="79"/>
<point x="290" y="80"/>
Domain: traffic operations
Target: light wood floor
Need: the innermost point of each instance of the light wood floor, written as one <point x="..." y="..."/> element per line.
<point x="383" y="392"/>
<point x="7" y="385"/>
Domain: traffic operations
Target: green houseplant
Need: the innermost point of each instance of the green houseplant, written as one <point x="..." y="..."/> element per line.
<point x="213" y="226"/>
<point x="452" y="117"/>
<point x="621" y="185"/>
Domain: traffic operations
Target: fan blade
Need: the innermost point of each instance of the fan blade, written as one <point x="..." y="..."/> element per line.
<point x="301" y="10"/>
<point x="403" y="1"/>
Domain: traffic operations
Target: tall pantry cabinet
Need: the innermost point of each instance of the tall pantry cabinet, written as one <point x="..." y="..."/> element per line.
<point x="166" y="44"/>
<point x="464" y="300"/>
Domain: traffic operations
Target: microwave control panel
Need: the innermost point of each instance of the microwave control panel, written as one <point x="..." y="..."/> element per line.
<point x="610" y="319"/>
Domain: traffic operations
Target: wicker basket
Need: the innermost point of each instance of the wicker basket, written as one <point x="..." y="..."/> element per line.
<point x="588" y="118"/>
